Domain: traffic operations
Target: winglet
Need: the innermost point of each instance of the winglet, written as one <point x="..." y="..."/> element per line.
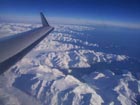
<point x="43" y="19"/>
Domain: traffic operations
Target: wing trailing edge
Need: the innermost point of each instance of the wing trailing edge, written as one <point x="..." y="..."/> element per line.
<point x="44" y="20"/>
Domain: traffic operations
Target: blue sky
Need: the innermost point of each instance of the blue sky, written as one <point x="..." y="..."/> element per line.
<point x="126" y="11"/>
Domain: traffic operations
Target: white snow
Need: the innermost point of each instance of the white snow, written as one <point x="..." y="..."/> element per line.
<point x="119" y="89"/>
<point x="45" y="75"/>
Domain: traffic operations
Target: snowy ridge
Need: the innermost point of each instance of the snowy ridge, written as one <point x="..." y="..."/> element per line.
<point x="55" y="72"/>
<point x="120" y="87"/>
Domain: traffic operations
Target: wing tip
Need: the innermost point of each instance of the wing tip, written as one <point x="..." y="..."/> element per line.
<point x="44" y="20"/>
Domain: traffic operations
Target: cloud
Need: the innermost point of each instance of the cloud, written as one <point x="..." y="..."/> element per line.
<point x="63" y="20"/>
<point x="7" y="29"/>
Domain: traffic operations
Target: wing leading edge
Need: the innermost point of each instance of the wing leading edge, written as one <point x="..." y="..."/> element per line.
<point x="15" y="47"/>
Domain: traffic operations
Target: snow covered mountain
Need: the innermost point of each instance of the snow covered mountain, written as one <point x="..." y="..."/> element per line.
<point x="66" y="69"/>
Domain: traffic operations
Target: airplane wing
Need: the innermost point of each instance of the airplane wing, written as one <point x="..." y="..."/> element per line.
<point x="15" y="47"/>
